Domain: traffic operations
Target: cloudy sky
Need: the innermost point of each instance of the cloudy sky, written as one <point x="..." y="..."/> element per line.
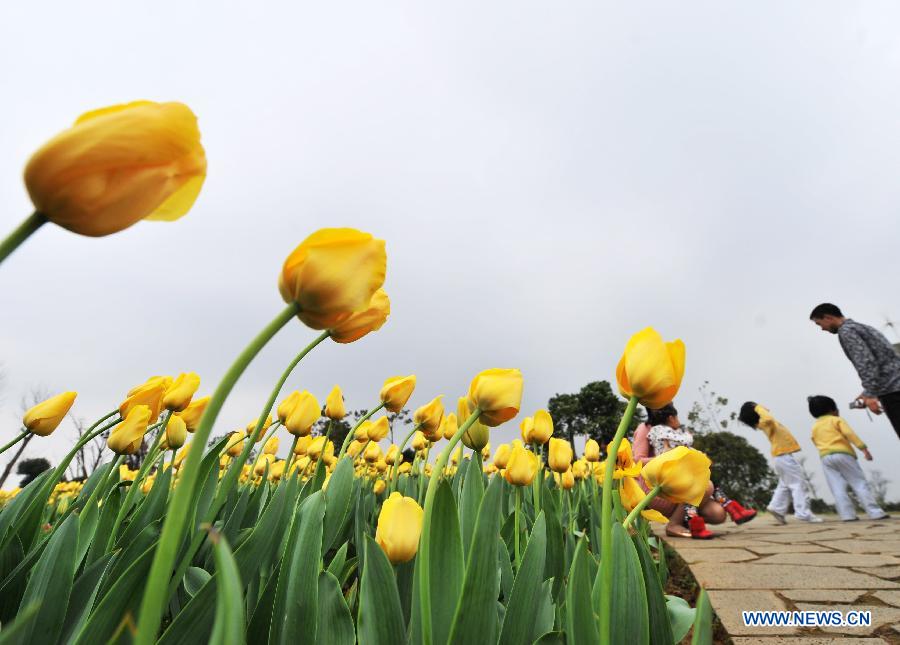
<point x="549" y="178"/>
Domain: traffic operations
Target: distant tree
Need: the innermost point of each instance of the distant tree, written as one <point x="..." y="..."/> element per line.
<point x="879" y="484"/>
<point x="593" y="412"/>
<point x="35" y="396"/>
<point x="30" y="469"/>
<point x="89" y="456"/>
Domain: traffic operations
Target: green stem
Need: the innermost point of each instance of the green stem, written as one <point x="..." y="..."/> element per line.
<point x="424" y="547"/>
<point x="96" y="493"/>
<point x="14" y="442"/>
<point x="536" y="484"/>
<point x="362" y="420"/>
<point x="156" y="589"/>
<point x="395" y="471"/>
<point x="21" y="233"/>
<point x="606" y="569"/>
<point x="518" y="511"/>
<point x="290" y="459"/>
<point x="640" y="506"/>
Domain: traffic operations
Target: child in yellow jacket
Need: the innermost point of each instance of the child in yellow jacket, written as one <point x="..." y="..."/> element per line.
<point x="791" y="481"/>
<point x="835" y="440"/>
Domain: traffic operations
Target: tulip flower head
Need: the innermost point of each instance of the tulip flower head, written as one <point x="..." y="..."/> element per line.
<point x="682" y="474"/>
<point x="360" y="323"/>
<point x="334" y="404"/>
<point x="43" y="418"/>
<point x="477" y="435"/>
<point x="271" y="446"/>
<point x="521" y="467"/>
<point x="179" y="394"/>
<point x="284" y="408"/>
<point x="631" y="494"/>
<point x="396" y="392"/>
<point x="392" y="454"/>
<point x="399" y="528"/>
<point x="430" y="416"/>
<point x="498" y="394"/>
<point x="372" y="453"/>
<point x="126" y="437"/>
<point x="149" y="393"/>
<point x="501" y="456"/>
<point x="235" y="443"/>
<point x="378" y="487"/>
<point x="592" y="450"/>
<point x="192" y="414"/>
<point x="303" y="415"/>
<point x="378" y="430"/>
<point x="117" y="166"/>
<point x="418" y="441"/>
<point x="302" y="445"/>
<point x="542" y="428"/>
<point x="265" y="426"/>
<point x="560" y="455"/>
<point x="176" y="433"/>
<point x="651" y="369"/>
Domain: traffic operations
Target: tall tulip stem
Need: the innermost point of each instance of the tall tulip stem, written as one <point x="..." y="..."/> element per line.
<point x="21" y="233"/>
<point x="641" y="505"/>
<point x="14" y="441"/>
<point x="437" y="472"/>
<point x="518" y="512"/>
<point x="606" y="571"/>
<point x="395" y="470"/>
<point x="156" y="589"/>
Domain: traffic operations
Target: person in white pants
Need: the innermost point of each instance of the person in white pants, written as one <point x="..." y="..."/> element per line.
<point x="836" y="440"/>
<point x="791" y="482"/>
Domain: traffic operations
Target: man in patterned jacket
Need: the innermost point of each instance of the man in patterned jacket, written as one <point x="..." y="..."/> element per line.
<point x="873" y="356"/>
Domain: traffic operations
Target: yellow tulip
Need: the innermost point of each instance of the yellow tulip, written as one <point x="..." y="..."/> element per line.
<point x="303" y="415"/>
<point x="651" y="369"/>
<point x="681" y="473"/>
<point x="276" y="471"/>
<point x="378" y="430"/>
<point x="372" y="453"/>
<point x="360" y="323"/>
<point x="625" y="464"/>
<point x="543" y="427"/>
<point x="126" y="474"/>
<point x="181" y="454"/>
<point x="283" y="411"/>
<point x="631" y="494"/>
<point x="521" y="466"/>
<point x="126" y="437"/>
<point x="192" y="414"/>
<point x="179" y="394"/>
<point x="265" y="426"/>
<point x="592" y="450"/>
<point x="361" y="434"/>
<point x="581" y="468"/>
<point x="176" y="433"/>
<point x="149" y="393"/>
<point x="396" y="391"/>
<point x="45" y="417"/>
<point x="501" y="456"/>
<point x="418" y="441"/>
<point x="334" y="404"/>
<point x="117" y="166"/>
<point x="302" y="445"/>
<point x="392" y="454"/>
<point x="378" y="487"/>
<point x="486" y="451"/>
<point x="477" y="435"/>
<point x="235" y="443"/>
<point x="319" y="447"/>
<point x="449" y="426"/>
<point x="271" y="446"/>
<point x="456" y="455"/>
<point x="430" y="416"/>
<point x="262" y="464"/>
<point x="498" y="394"/>
<point x="354" y="449"/>
<point x="333" y="274"/>
<point x="560" y="455"/>
<point x="399" y="528"/>
<point x="404" y="468"/>
<point x="566" y="480"/>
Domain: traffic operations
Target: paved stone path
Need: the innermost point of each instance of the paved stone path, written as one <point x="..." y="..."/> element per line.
<point x="833" y="565"/>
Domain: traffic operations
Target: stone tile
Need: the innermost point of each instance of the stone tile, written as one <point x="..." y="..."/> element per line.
<point x="881" y="616"/>
<point x="747" y="575"/>
<point x="807" y="640"/>
<point x="827" y="595"/>
<point x="769" y="549"/>
<point x="888" y="597"/>
<point x="855" y="560"/>
<point x="881" y="572"/>
<point x="728" y="606"/>
<point x="715" y="555"/>
<point x="883" y="544"/>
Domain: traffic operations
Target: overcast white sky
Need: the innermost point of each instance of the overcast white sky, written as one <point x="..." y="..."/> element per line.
<point x="549" y="177"/>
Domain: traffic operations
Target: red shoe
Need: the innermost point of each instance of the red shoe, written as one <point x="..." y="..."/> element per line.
<point x="738" y="513"/>
<point x="698" y="529"/>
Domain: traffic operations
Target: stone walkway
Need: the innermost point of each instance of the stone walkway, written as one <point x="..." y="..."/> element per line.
<point x="830" y="566"/>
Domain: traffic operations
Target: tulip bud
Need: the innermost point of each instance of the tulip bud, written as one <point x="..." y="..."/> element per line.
<point x="543" y="427"/>
<point x="560" y="455"/>
<point x="262" y="464"/>
<point x="682" y="473"/>
<point x="651" y="369"/>
<point x="396" y="392"/>
<point x="360" y="323"/>
<point x="192" y="414"/>
<point x="418" y="441"/>
<point x="592" y="450"/>
<point x="284" y="408"/>
<point x="478" y="434"/>
<point x="430" y="416"/>
<point x="501" y="456"/>
<point x="580" y="469"/>
<point x="176" y="433"/>
<point x="527" y="428"/>
<point x="45" y="417"/>
<point x="276" y="471"/>
<point x="354" y="449"/>
<point x="449" y="426"/>
<point x="334" y="405"/>
<point x="251" y="427"/>
<point x="302" y="445"/>
<point x="404" y="468"/>
<point x="399" y="528"/>
<point x="303" y="415"/>
<point x="498" y="394"/>
<point x="181" y="454"/>
<point x="271" y="446"/>
<point x="567" y="480"/>
<point x="361" y="434"/>
<point x="179" y="394"/>
<point x="378" y="430"/>
<point x="378" y="487"/>
<point x="126" y="437"/>
<point x="521" y="467"/>
<point x="235" y="443"/>
<point x="149" y="393"/>
<point x="372" y="453"/>
<point x="317" y="447"/>
<point x="392" y="454"/>
<point x="117" y="166"/>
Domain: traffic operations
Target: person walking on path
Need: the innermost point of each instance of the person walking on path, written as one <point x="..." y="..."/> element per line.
<point x="835" y="440"/>
<point x="873" y="356"/>
<point x="791" y="483"/>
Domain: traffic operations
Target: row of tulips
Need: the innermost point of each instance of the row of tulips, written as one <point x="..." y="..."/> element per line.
<point x="336" y="543"/>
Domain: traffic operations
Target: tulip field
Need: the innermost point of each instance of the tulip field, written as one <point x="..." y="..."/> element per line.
<point x="223" y="541"/>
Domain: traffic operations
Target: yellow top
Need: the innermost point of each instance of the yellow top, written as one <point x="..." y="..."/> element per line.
<point x="832" y="434"/>
<point x="782" y="440"/>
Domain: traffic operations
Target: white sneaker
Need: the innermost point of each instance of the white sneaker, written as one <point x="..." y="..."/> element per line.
<point x="812" y="519"/>
<point x="777" y="516"/>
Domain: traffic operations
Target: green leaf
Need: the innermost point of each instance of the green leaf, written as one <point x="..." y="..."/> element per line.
<point x="150" y="509"/>
<point x="555" y="565"/>
<point x="506" y="573"/>
<point x="261" y="619"/>
<point x="519" y="622"/>
<point x="658" y="618"/>
<point x="126" y="557"/>
<point x="334" y="615"/>
<point x="336" y="566"/>
<point x="447" y="564"/>
<point x="84" y="592"/>
<point x="337" y="502"/>
<point x="552" y="638"/>
<point x="108" y="512"/>
<point x="380" y="614"/>
<point x="21" y="510"/>
<point x="663" y="565"/>
<point x="50" y="585"/>
<point x="195" y="578"/>
<point x="703" y="621"/>
<point x="229" y="626"/>
<point x="294" y="616"/>
<point x="581" y="622"/>
<point x="470" y="501"/>
<point x="12" y="632"/>
<point x="681" y="617"/>
<point x="629" y="597"/>
<point x="475" y="619"/>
